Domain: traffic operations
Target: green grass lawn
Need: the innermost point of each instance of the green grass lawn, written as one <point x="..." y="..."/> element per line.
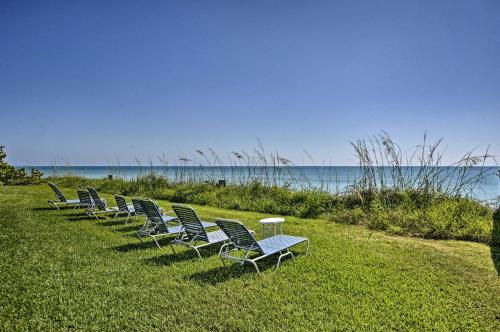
<point x="62" y="271"/>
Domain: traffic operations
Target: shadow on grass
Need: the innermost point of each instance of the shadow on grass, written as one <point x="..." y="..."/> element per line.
<point x="81" y="218"/>
<point x="495" y="239"/>
<point x="113" y="222"/>
<point x="181" y="254"/>
<point x="230" y="271"/>
<point x="129" y="228"/>
<point x="48" y="208"/>
<point x="168" y="259"/>
<point x="146" y="244"/>
<point x="74" y="213"/>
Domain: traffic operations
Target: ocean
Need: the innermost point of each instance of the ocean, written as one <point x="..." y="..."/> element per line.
<point x="330" y="178"/>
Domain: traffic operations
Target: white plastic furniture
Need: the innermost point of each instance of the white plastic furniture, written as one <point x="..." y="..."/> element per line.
<point x="269" y="226"/>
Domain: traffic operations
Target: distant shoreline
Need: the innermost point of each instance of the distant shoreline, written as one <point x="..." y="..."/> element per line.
<point x="327" y="178"/>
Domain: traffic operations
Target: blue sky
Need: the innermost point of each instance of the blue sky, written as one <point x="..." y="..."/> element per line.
<point x="91" y="83"/>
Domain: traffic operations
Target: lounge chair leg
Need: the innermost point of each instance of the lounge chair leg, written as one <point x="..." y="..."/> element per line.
<point x="157" y="244"/>
<point x="198" y="252"/>
<point x="222" y="248"/>
<point x="53" y="204"/>
<point x="283" y="255"/>
<point x="255" y="265"/>
<point x="222" y="261"/>
<point x="173" y="250"/>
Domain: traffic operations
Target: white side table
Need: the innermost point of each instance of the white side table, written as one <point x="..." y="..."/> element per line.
<point x="270" y="224"/>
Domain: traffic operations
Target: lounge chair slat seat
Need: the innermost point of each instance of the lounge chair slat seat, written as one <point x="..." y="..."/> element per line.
<point x="174" y="229"/>
<point x="207" y="224"/>
<point x="240" y="238"/>
<point x="217" y="236"/>
<point x="279" y="242"/>
<point x="166" y="218"/>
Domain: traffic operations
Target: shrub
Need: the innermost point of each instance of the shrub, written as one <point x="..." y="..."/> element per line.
<point x="9" y="175"/>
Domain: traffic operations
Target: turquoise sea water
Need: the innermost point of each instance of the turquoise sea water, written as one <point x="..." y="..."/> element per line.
<point x="331" y="178"/>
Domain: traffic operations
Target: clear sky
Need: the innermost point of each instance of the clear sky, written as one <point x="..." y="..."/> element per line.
<point x="92" y="82"/>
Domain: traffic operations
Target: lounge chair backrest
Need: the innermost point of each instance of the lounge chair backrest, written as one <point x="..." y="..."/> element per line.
<point x="58" y="193"/>
<point x="84" y="197"/>
<point x="136" y="202"/>
<point x="192" y="225"/>
<point x="121" y="203"/>
<point x="238" y="234"/>
<point x="101" y="205"/>
<point x="151" y="210"/>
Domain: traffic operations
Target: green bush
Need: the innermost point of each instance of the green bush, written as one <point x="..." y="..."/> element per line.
<point x="9" y="175"/>
<point x="408" y="213"/>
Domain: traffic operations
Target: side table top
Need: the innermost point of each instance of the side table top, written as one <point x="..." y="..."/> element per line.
<point x="272" y="220"/>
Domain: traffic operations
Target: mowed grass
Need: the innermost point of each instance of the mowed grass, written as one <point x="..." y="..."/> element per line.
<point x="60" y="270"/>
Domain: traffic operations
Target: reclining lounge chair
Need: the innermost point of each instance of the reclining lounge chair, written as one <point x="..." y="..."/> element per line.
<point x="240" y="239"/>
<point x="157" y="224"/>
<point x="60" y="198"/>
<point x="95" y="197"/>
<point x="124" y="208"/>
<point x="94" y="207"/>
<point x="194" y="234"/>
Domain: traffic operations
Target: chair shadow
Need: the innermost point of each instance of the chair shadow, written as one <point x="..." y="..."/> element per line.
<point x="146" y="244"/>
<point x="113" y="222"/>
<point x="231" y="271"/>
<point x="128" y="229"/>
<point x="74" y="213"/>
<point x="182" y="254"/>
<point x="80" y="218"/>
<point x="48" y="208"/>
<point x="169" y="259"/>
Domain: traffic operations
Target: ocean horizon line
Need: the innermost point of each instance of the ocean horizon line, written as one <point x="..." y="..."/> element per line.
<point x="239" y="166"/>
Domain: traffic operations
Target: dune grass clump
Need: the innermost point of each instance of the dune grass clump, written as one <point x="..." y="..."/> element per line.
<point x="412" y="213"/>
<point x="255" y="197"/>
